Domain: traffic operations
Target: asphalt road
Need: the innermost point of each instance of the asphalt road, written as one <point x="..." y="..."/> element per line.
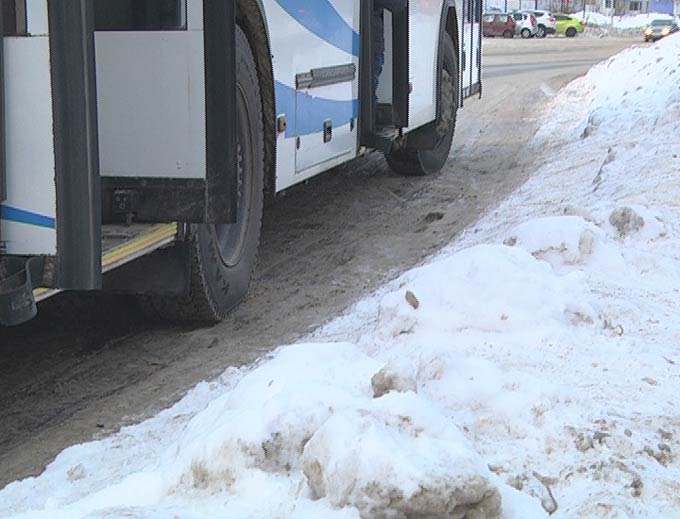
<point x="65" y="379"/>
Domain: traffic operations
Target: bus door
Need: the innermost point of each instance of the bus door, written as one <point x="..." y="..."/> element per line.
<point x="386" y="106"/>
<point x="27" y="168"/>
<point x="166" y="103"/>
<point x="3" y="185"/>
<point x="471" y="49"/>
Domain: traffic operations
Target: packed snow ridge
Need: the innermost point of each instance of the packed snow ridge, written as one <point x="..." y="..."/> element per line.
<point x="531" y="368"/>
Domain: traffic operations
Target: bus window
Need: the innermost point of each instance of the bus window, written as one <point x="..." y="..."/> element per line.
<point x="140" y="15"/>
<point x="14" y="17"/>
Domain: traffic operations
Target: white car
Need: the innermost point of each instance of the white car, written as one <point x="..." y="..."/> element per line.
<point x="525" y="24"/>
<point x="545" y="21"/>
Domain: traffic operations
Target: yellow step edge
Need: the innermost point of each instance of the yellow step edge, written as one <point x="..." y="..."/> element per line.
<point x="155" y="237"/>
<point x="157" y="234"/>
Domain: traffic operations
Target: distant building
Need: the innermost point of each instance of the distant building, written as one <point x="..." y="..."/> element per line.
<point x="663" y="6"/>
<point x="625" y="6"/>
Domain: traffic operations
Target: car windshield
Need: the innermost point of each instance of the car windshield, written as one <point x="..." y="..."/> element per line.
<point x="662" y="22"/>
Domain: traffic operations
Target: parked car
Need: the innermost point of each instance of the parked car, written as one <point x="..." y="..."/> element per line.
<point x="526" y="25"/>
<point x="568" y="25"/>
<point x="498" y="24"/>
<point x="545" y="21"/>
<point x="660" y="28"/>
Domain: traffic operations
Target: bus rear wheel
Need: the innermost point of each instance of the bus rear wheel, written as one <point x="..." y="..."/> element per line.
<point x="415" y="161"/>
<point x="222" y="256"/>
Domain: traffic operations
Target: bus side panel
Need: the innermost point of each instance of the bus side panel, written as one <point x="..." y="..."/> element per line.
<point x="28" y="215"/>
<point x="425" y="21"/>
<point x="151" y="104"/>
<point x="307" y="35"/>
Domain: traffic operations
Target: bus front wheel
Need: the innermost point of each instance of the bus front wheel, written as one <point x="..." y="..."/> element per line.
<point x="222" y="256"/>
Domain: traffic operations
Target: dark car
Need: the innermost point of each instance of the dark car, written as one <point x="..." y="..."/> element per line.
<point x="498" y="24"/>
<point x="660" y="28"/>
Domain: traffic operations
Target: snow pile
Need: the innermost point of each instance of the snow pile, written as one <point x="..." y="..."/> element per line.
<point x="622" y="22"/>
<point x="530" y="369"/>
<point x="623" y="99"/>
<point x="304" y="434"/>
<point x="402" y="458"/>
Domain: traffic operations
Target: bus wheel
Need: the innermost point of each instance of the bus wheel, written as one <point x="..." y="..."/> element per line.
<point x="223" y="256"/>
<point x="413" y="161"/>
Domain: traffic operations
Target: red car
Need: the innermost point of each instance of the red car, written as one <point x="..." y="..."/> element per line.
<point x="498" y="24"/>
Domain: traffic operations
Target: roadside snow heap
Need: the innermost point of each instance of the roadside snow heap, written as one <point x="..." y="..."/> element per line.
<point x="622" y="22"/>
<point x="627" y="25"/>
<point x="532" y="368"/>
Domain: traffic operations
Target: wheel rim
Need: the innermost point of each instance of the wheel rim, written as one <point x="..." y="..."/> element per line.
<point x="231" y="238"/>
<point x="541" y="32"/>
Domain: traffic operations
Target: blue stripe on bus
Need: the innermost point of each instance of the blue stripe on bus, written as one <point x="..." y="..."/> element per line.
<point x="321" y="18"/>
<point x="13" y="214"/>
<point x="306" y="114"/>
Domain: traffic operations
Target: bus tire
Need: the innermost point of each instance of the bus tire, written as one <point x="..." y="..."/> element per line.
<point x="223" y="256"/>
<point x="413" y="161"/>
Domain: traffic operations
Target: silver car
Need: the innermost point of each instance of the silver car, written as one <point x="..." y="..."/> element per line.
<point x="525" y="24"/>
<point x="545" y="20"/>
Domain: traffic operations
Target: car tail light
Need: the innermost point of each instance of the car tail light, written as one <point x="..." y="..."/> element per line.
<point x="532" y="19"/>
<point x="551" y="19"/>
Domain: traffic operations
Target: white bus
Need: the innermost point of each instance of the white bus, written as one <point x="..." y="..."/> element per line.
<point x="138" y="137"/>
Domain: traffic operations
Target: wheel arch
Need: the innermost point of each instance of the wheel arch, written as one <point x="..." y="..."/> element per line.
<point x="251" y="17"/>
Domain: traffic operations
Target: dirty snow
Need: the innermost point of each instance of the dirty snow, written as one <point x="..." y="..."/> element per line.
<point x="532" y="367"/>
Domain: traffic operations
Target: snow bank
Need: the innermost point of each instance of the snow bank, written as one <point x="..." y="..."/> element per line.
<point x="400" y="458"/>
<point x="623" y="22"/>
<point x="635" y="91"/>
<point x="530" y="368"/>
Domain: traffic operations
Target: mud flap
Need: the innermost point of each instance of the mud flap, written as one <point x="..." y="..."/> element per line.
<point x="17" y="303"/>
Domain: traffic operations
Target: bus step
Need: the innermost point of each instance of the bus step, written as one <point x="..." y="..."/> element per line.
<point x="17" y="303"/>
